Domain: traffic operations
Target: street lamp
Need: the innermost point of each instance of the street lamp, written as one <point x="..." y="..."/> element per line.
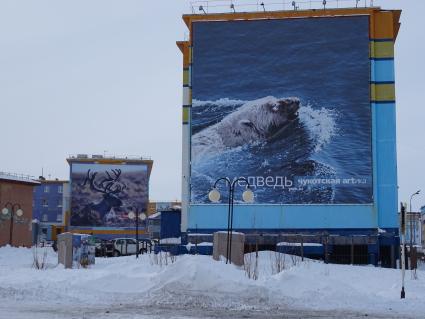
<point x="136" y="216"/>
<point x="411" y="226"/>
<point x="214" y="196"/>
<point x="10" y="212"/>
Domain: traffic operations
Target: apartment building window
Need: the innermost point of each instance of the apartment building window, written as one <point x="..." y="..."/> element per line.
<point x="59" y="218"/>
<point x="60" y="189"/>
<point x="59" y="202"/>
<point x="46" y="189"/>
<point x="45" y="203"/>
<point x="45" y="218"/>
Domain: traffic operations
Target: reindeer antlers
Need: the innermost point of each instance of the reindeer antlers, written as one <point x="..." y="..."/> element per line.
<point x="107" y="185"/>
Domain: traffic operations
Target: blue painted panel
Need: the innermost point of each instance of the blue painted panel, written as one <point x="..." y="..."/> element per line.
<point x="382" y="71"/>
<point x="386" y="159"/>
<point x="287" y="217"/>
<point x="387" y="171"/>
<point x="170" y="224"/>
<point x="385" y="121"/>
<point x="388" y="208"/>
<point x="374" y="159"/>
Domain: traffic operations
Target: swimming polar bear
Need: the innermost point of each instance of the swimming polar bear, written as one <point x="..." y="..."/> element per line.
<point x="254" y="121"/>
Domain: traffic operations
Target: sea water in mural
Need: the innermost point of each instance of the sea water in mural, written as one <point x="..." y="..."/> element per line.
<point x="103" y="195"/>
<point x="285" y="104"/>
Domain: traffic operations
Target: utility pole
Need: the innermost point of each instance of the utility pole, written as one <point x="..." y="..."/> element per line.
<point x="402" y="235"/>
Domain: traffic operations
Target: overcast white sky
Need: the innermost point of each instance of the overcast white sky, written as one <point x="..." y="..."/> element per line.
<point x="93" y="76"/>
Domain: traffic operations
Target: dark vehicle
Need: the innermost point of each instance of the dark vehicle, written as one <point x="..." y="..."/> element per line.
<point x="104" y="248"/>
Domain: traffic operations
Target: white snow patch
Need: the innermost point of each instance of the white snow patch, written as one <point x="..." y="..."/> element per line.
<point x="199" y="281"/>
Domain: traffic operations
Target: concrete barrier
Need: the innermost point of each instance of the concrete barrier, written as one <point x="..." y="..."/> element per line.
<point x="238" y="246"/>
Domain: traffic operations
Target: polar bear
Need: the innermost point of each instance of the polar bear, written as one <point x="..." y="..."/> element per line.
<point x="257" y="120"/>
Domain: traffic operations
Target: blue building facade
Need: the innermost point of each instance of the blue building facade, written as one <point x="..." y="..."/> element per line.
<point x="376" y="219"/>
<point x="50" y="202"/>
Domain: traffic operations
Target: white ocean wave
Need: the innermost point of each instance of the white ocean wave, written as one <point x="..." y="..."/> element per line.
<point x="320" y="124"/>
<point x="220" y="102"/>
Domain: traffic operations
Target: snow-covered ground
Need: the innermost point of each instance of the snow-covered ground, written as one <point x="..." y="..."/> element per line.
<point x="199" y="287"/>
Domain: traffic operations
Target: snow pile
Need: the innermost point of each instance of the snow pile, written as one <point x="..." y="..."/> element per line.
<point x="199" y="281"/>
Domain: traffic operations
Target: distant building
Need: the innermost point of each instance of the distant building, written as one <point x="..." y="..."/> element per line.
<point x="107" y="193"/>
<point x="158" y="206"/>
<point x="414" y="227"/>
<point x="423" y="225"/>
<point x="16" y="195"/>
<point x="165" y="224"/>
<point x="50" y="206"/>
<point x="155" y="226"/>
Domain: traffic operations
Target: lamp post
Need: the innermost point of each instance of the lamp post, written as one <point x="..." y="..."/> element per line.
<point x="411" y="226"/>
<point x="247" y="196"/>
<point x="136" y="216"/>
<point x="10" y="211"/>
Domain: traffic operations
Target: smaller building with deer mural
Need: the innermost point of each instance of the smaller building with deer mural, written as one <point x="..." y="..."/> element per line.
<point x="105" y="190"/>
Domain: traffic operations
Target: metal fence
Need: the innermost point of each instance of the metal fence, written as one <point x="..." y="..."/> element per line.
<point x="233" y="6"/>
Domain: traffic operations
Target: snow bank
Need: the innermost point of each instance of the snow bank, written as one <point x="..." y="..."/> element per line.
<point x="199" y="281"/>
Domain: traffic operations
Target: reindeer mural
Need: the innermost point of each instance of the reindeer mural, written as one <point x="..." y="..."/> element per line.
<point x="111" y="188"/>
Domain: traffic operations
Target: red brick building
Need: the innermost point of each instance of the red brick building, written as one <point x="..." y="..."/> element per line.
<point x="16" y="195"/>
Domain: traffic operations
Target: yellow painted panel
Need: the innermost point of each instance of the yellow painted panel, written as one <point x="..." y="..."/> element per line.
<point x="185" y="114"/>
<point x="185" y="77"/>
<point x="382" y="92"/>
<point x="382" y="49"/>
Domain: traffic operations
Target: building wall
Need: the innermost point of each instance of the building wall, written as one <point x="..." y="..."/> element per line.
<point x="49" y="202"/>
<point x="22" y="194"/>
<point x="50" y="205"/>
<point x="108" y="231"/>
<point x="383" y="212"/>
<point x="414" y="226"/>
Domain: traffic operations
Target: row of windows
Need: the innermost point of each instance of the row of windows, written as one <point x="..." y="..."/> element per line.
<point x="45" y="203"/>
<point x="45" y="218"/>
<point x="46" y="189"/>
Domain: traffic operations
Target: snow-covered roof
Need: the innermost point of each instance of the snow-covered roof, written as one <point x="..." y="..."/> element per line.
<point x="18" y="178"/>
<point x="156" y="215"/>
